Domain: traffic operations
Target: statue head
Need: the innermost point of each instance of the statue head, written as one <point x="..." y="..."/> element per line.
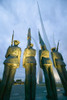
<point x="16" y="42"/>
<point x="30" y="46"/>
<point x="53" y="49"/>
<point x="43" y="47"/>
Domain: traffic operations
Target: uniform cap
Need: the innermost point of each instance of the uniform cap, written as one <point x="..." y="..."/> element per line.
<point x="16" y="42"/>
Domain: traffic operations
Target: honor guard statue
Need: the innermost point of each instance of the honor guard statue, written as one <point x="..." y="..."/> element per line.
<point x="29" y="63"/>
<point x="46" y="65"/>
<point x="60" y="66"/>
<point x="11" y="63"/>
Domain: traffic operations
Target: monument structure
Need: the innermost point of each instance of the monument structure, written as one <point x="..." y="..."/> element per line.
<point x="46" y="65"/>
<point x="60" y="67"/>
<point x="29" y="63"/>
<point x="11" y="63"/>
<point x="44" y="36"/>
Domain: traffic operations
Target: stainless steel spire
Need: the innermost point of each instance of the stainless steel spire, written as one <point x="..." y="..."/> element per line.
<point x="44" y="33"/>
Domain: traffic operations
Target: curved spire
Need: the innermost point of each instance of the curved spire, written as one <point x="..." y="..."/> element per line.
<point x="43" y="30"/>
<point x="44" y="33"/>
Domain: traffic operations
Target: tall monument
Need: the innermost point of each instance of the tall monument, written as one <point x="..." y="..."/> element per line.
<point x="60" y="67"/>
<point x="44" y="37"/>
<point x="11" y="63"/>
<point x="29" y="63"/>
<point x="46" y="65"/>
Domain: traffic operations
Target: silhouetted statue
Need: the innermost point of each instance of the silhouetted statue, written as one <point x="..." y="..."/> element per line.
<point x="46" y="65"/>
<point x="11" y="63"/>
<point x="29" y="63"/>
<point x="60" y="66"/>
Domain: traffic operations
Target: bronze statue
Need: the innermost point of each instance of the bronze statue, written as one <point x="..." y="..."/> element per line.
<point x="11" y="63"/>
<point x="60" y="66"/>
<point x="46" y="65"/>
<point x="29" y="63"/>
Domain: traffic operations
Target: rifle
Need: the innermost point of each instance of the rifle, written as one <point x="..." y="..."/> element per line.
<point x="58" y="45"/>
<point x="12" y="38"/>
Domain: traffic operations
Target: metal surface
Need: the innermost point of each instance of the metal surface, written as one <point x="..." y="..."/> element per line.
<point x="29" y="63"/>
<point x="60" y="67"/>
<point x="10" y="64"/>
<point x="46" y="65"/>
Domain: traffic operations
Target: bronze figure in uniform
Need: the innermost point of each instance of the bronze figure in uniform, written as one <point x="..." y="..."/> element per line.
<point x="29" y="63"/>
<point x="11" y="63"/>
<point x="46" y="65"/>
<point x="60" y="67"/>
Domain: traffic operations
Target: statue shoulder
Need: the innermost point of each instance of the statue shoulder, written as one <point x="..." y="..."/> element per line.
<point x="34" y="50"/>
<point x="13" y="49"/>
<point x="16" y="48"/>
<point x="30" y="52"/>
<point x="19" y="48"/>
<point x="40" y="51"/>
<point x="45" y="53"/>
<point x="9" y="48"/>
<point x="57" y="53"/>
<point x="26" y="49"/>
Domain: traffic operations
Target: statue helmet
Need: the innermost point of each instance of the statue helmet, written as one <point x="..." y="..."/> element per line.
<point x="31" y="45"/>
<point x="16" y="42"/>
<point x="53" y="49"/>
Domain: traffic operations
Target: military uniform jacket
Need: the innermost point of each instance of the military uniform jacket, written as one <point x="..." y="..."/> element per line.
<point x="44" y="58"/>
<point x="57" y="59"/>
<point x="29" y="56"/>
<point x="13" y="56"/>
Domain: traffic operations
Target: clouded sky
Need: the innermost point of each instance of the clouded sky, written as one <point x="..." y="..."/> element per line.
<point x="19" y="15"/>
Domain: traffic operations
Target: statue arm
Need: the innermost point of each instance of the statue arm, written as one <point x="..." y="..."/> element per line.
<point x="53" y="59"/>
<point x="19" y="55"/>
<point x="61" y="57"/>
<point x="24" y="58"/>
<point x="7" y="53"/>
<point x="40" y="58"/>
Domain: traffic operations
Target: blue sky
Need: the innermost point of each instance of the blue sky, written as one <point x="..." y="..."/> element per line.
<point x="19" y="15"/>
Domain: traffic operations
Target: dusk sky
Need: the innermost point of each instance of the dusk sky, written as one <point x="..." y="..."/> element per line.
<point x="19" y="15"/>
